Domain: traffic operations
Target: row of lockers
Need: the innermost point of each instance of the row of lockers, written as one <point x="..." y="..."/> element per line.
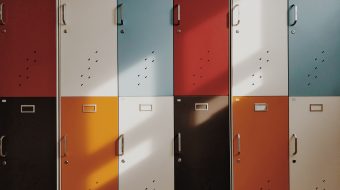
<point x="171" y="143"/>
<point x="169" y="48"/>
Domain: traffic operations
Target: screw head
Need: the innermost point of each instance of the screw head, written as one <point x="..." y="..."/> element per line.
<point x="293" y="31"/>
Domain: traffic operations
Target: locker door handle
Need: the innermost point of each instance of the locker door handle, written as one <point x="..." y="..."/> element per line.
<point x="120" y="11"/>
<point x="2" y="21"/>
<point x="2" y="154"/>
<point x="237" y="6"/>
<point x="121" y="145"/>
<point x="178" y="19"/>
<point x="295" y="144"/>
<point x="63" y="9"/>
<point x="65" y="146"/>
<point x="179" y="136"/>
<point x="295" y="14"/>
<point x="239" y="144"/>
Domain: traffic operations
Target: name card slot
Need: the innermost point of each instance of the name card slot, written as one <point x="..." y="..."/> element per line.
<point x="145" y="107"/>
<point x="260" y="107"/>
<point x="89" y="108"/>
<point x="27" y="108"/>
<point x="201" y="106"/>
<point x="316" y="107"/>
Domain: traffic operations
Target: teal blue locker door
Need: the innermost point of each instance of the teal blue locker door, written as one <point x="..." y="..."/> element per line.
<point x="314" y="47"/>
<point x="145" y="47"/>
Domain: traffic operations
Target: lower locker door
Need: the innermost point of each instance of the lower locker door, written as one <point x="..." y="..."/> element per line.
<point x="146" y="143"/>
<point x="314" y="143"/>
<point x="29" y="144"/>
<point x="89" y="127"/>
<point x="260" y="140"/>
<point x="202" y="143"/>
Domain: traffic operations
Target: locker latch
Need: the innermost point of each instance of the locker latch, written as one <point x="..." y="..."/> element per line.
<point x="89" y="108"/>
<point x="27" y="108"/>
<point x="260" y="107"/>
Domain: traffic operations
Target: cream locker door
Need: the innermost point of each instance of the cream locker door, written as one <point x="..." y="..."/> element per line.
<point x="88" y="47"/>
<point x="259" y="48"/>
<point x="146" y="128"/>
<point x="314" y="143"/>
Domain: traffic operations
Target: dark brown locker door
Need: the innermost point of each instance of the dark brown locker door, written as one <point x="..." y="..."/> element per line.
<point x="260" y="127"/>
<point x="30" y="145"/>
<point x="202" y="143"/>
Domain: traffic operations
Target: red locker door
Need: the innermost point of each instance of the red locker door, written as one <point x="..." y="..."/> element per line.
<point x="201" y="47"/>
<point x="27" y="48"/>
<point x="260" y="127"/>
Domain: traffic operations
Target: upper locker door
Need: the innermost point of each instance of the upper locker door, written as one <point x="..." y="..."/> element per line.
<point x="27" y="48"/>
<point x="145" y="47"/>
<point x="202" y="143"/>
<point x="88" y="136"/>
<point x="260" y="143"/>
<point x="146" y="128"/>
<point x="28" y="142"/>
<point x="259" y="48"/>
<point x="201" y="47"/>
<point x="314" y="48"/>
<point x="88" y="48"/>
<point x="314" y="142"/>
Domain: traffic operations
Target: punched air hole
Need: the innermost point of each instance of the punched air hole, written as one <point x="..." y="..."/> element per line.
<point x="323" y="51"/>
<point x="89" y="68"/>
<point x="153" y="52"/>
<point x="260" y="59"/>
<point x="96" y="51"/>
<point x="323" y="61"/>
<point x="34" y="51"/>
<point x="267" y="51"/>
<point x="81" y="84"/>
<point x="19" y="76"/>
<point x="315" y="68"/>
<point x="27" y="59"/>
<point x="308" y="75"/>
<point x="20" y="85"/>
<point x="316" y="59"/>
<point x="89" y="59"/>
<point x="153" y="60"/>
<point x="27" y="68"/>
<point x="260" y="67"/>
<point x="35" y="61"/>
<point x="267" y="60"/>
<point x="309" y="84"/>
<point x="294" y="161"/>
<point x="96" y="61"/>
<point x="27" y="77"/>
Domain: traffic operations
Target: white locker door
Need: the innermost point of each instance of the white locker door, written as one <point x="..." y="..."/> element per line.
<point x="259" y="48"/>
<point x="146" y="128"/>
<point x="88" y="47"/>
<point x="314" y="143"/>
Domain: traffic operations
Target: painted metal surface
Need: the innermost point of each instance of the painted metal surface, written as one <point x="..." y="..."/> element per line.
<point x="201" y="47"/>
<point x="28" y="143"/>
<point x="145" y="47"/>
<point x="260" y="143"/>
<point x="202" y="143"/>
<point x="88" y="48"/>
<point x="146" y="128"/>
<point x="314" y="142"/>
<point x="259" y="48"/>
<point x="89" y="131"/>
<point x="314" y="48"/>
<point x="27" y="48"/>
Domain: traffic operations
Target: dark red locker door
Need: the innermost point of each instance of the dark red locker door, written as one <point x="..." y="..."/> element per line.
<point x="201" y="47"/>
<point x="27" y="48"/>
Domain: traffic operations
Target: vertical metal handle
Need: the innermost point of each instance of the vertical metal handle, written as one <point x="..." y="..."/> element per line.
<point x="295" y="14"/>
<point x="238" y="15"/>
<point x="295" y="144"/>
<point x="179" y="136"/>
<point x="238" y="143"/>
<point x="178" y="19"/>
<point x="63" y="9"/>
<point x="2" y="154"/>
<point x="2" y="21"/>
<point x="65" y="146"/>
<point x="121" y="15"/>
<point x="121" y="145"/>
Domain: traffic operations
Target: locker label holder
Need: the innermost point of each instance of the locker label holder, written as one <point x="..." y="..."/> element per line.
<point x="261" y="107"/>
<point x="145" y="107"/>
<point x="201" y="106"/>
<point x="316" y="107"/>
<point x="89" y="108"/>
<point x="27" y="108"/>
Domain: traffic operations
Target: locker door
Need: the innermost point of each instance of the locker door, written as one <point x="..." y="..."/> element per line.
<point x="27" y="48"/>
<point x="260" y="143"/>
<point x="88" y="48"/>
<point x="260" y="48"/>
<point x="202" y="143"/>
<point x="201" y="47"/>
<point x="314" y="47"/>
<point x="146" y="130"/>
<point x="29" y="127"/>
<point x="145" y="47"/>
<point x="314" y="142"/>
<point x="88" y="135"/>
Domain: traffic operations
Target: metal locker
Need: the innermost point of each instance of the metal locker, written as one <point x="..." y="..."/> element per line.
<point x="260" y="143"/>
<point x="88" y="143"/>
<point x="314" y="48"/>
<point x="88" y="44"/>
<point x="146" y="128"/>
<point x="314" y="142"/>
<point x="202" y="143"/>
<point x="28" y="148"/>
<point x="201" y="47"/>
<point x="145" y="47"/>
<point x="27" y="48"/>
<point x="259" y="48"/>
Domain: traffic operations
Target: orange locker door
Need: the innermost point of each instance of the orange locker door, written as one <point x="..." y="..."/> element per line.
<point x="89" y="129"/>
<point x="260" y="130"/>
